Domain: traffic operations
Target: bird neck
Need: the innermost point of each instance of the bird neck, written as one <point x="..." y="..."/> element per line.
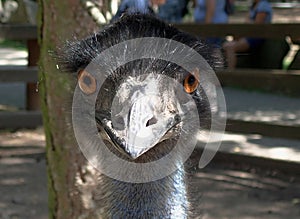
<point x="164" y="198"/>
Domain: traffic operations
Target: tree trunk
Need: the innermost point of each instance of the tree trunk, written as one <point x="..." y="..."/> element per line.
<point x="68" y="173"/>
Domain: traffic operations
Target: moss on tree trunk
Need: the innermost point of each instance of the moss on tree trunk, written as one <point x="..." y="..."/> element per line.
<point x="58" y="21"/>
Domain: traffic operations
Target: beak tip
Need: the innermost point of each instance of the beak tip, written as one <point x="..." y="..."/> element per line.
<point x="134" y="154"/>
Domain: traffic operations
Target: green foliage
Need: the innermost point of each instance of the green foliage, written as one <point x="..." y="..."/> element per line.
<point x="13" y="44"/>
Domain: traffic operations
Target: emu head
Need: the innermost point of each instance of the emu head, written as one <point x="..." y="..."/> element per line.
<point x="146" y="97"/>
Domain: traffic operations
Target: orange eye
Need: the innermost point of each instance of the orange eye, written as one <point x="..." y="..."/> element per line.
<point x="190" y="82"/>
<point x="86" y="82"/>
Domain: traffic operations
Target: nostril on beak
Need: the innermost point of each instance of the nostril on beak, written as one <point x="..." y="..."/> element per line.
<point x="177" y="118"/>
<point x="151" y="121"/>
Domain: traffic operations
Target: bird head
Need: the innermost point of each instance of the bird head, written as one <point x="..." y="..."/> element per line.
<point x="144" y="102"/>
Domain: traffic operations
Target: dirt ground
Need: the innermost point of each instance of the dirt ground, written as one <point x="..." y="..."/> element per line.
<point x="221" y="190"/>
<point x="23" y="182"/>
<point x="233" y="192"/>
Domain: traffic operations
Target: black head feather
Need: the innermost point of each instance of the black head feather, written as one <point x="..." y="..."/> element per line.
<point x="77" y="55"/>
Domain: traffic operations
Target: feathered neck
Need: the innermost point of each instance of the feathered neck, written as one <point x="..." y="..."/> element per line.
<point x="165" y="198"/>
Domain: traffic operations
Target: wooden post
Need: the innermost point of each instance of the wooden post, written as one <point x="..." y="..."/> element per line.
<point x="32" y="96"/>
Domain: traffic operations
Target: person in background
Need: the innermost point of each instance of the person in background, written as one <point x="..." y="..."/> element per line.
<point x="260" y="12"/>
<point x="133" y="6"/>
<point x="211" y="11"/>
<point x="173" y="10"/>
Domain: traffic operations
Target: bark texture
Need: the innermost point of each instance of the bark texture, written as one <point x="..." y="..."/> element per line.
<point x="69" y="176"/>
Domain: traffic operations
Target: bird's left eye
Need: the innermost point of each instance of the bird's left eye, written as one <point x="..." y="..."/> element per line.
<point x="86" y="82"/>
<point x="190" y="83"/>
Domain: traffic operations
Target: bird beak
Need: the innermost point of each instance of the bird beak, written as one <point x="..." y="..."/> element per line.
<point x="145" y="127"/>
<point x="143" y="114"/>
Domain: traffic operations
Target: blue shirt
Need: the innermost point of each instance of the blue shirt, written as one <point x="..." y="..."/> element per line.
<point x="262" y="6"/>
<point x="172" y="11"/>
<point x="220" y="16"/>
<point x="132" y="6"/>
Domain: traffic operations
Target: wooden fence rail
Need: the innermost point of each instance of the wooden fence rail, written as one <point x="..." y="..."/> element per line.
<point x="18" y="74"/>
<point x="269" y="31"/>
<point x="18" y="32"/>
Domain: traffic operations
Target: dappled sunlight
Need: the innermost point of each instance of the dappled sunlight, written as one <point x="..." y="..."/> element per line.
<point x="284" y="153"/>
<point x="22" y="151"/>
<point x="287" y="16"/>
<point x="278" y="117"/>
<point x="240" y="174"/>
<point x="262" y="107"/>
<point x="15" y="161"/>
<point x="23" y="187"/>
<point x="257" y="145"/>
<point x="7" y="108"/>
<point x="10" y="56"/>
<point x="281" y="153"/>
<point x="204" y="136"/>
<point x="23" y="137"/>
<point x="12" y="182"/>
<point x="229" y="193"/>
<point x="244" y="182"/>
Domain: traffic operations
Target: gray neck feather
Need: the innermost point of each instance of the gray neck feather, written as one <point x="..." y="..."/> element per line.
<point x="165" y="198"/>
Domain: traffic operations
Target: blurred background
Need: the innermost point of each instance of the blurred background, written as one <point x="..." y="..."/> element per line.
<point x="255" y="174"/>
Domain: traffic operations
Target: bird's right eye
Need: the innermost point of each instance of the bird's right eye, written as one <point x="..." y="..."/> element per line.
<point x="87" y="83"/>
<point x="191" y="81"/>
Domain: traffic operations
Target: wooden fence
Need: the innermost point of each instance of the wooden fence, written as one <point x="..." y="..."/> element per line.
<point x="31" y="117"/>
<point x="281" y="80"/>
